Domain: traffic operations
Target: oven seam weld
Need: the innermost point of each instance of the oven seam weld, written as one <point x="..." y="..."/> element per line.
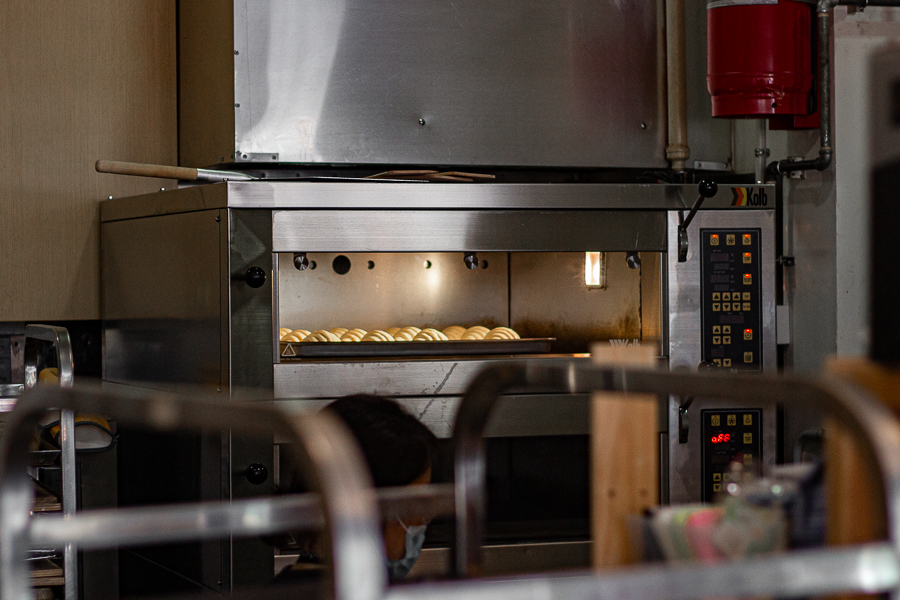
<point x="443" y="383"/>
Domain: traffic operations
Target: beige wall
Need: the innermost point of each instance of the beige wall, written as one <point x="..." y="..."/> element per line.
<point x="79" y="80"/>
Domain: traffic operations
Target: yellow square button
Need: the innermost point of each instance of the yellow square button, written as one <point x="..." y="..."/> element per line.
<point x="726" y="362"/>
<point x="747" y="258"/>
<point x="729" y="239"/>
<point x="717" y="329"/>
<point x="746" y="296"/>
<point x="732" y="420"/>
<point x="748" y="357"/>
<point x="748" y="279"/>
<point x="717" y="477"/>
<point x="746" y="306"/>
<point x="726" y="328"/>
<point x="717" y="487"/>
<point x="747" y="239"/>
<point x="726" y="339"/>
<point x="748" y="334"/>
<point x="714" y="240"/>
<point x="726" y="476"/>
<point x="717" y="340"/>
<point x="726" y="296"/>
<point x="715" y="420"/>
<point x="748" y="438"/>
<point x="716" y="296"/>
<point x="748" y="459"/>
<point x="748" y="419"/>
<point x="726" y="306"/>
<point x="716" y="307"/>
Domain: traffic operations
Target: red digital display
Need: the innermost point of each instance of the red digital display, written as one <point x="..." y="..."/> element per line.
<point x="722" y="437"/>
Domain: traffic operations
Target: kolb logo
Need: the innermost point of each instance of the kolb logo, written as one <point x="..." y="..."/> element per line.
<point x="747" y="197"/>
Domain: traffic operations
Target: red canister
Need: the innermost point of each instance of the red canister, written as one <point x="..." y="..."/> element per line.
<point x="760" y="57"/>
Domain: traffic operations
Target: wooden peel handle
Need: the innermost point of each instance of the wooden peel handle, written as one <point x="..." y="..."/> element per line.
<point x="145" y="170"/>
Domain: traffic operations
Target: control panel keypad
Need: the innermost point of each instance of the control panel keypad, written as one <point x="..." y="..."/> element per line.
<point x="730" y="435"/>
<point x="731" y="289"/>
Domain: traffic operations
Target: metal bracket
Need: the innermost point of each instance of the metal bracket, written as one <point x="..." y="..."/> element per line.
<point x="707" y="189"/>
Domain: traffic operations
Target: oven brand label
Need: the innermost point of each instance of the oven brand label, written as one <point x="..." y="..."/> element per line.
<point x="747" y="197"/>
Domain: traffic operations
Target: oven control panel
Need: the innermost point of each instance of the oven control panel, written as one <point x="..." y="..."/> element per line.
<point x="731" y="290"/>
<point x="729" y="436"/>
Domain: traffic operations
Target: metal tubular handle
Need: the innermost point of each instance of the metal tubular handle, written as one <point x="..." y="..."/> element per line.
<point x="60" y="337"/>
<point x="333" y="461"/>
<point x="872" y="422"/>
<point x="110" y="528"/>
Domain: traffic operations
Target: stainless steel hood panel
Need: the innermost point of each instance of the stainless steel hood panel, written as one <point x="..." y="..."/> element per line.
<point x="415" y="196"/>
<point x="462" y="82"/>
<point x="460" y="231"/>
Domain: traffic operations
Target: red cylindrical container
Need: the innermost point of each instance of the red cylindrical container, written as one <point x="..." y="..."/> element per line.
<point x="759" y="58"/>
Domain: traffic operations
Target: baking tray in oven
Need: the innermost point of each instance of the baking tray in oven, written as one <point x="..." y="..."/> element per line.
<point x="394" y="349"/>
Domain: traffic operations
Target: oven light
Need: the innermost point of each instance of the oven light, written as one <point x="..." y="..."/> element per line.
<point x="595" y="269"/>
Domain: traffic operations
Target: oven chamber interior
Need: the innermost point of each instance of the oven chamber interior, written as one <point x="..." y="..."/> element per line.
<point x="538" y="294"/>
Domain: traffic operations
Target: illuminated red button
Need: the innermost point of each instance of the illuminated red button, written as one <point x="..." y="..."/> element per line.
<point x="748" y="278"/>
<point x="714" y="239"/>
<point x="748" y="334"/>
<point x="747" y="258"/>
<point x="746" y="239"/>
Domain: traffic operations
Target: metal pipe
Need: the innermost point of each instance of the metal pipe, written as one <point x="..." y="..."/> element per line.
<point x="824" y="14"/>
<point x="676" y="76"/>
<point x="762" y="152"/>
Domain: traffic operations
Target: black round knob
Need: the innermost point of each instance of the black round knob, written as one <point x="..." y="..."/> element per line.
<point x="708" y="188"/>
<point x="255" y="277"/>
<point x="256" y="473"/>
<point x="301" y="261"/>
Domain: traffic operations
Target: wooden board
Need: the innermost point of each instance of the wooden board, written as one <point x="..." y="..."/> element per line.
<point x="624" y="458"/>
<point x="82" y="80"/>
<point x="856" y="512"/>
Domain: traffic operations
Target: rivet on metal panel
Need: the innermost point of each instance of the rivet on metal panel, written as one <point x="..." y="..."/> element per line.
<point x="218" y="219"/>
<point x="643" y="126"/>
<point x="237" y="105"/>
<point x="162" y="189"/>
<point x="236" y="52"/>
<point x="243" y="156"/>
<point x="109" y="197"/>
<point x="421" y="121"/>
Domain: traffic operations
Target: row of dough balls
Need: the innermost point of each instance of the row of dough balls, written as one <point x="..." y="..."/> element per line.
<point x="397" y="334"/>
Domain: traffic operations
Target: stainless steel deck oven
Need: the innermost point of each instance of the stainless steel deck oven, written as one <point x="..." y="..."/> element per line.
<point x="197" y="282"/>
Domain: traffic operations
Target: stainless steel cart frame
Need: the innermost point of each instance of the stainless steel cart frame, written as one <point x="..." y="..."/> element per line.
<point x="333" y="461"/>
<point x="350" y="507"/>
<point x="870" y="568"/>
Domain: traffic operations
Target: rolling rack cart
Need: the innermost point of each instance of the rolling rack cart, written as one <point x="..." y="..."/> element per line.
<point x="350" y="506"/>
<point x="347" y="505"/>
<point x="59" y="337"/>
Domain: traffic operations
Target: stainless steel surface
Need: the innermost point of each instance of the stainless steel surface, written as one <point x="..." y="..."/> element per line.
<point x="417" y="377"/>
<point x="869" y="419"/>
<point x="332" y="459"/>
<point x="424" y="289"/>
<point x="472" y="83"/>
<point x="871" y="568"/>
<point x="504" y="560"/>
<point x="161" y="299"/>
<point x="548" y="298"/>
<point x="466" y="231"/>
<point x="514" y="415"/>
<point x="134" y="526"/>
<point x="217" y="176"/>
<point x="684" y="283"/>
<point x="373" y="195"/>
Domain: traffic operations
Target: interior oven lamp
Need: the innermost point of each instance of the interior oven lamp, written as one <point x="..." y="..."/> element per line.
<point x="595" y="269"/>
